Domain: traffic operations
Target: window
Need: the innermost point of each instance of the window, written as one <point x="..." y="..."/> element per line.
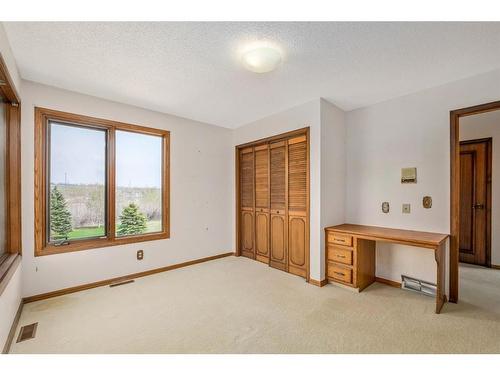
<point x="77" y="182"/>
<point x="138" y="182"/>
<point x="98" y="183"/>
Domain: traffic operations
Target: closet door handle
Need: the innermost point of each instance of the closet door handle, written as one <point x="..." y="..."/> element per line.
<point x="478" y="206"/>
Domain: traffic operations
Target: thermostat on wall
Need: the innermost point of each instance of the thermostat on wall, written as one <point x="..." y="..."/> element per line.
<point x="408" y="175"/>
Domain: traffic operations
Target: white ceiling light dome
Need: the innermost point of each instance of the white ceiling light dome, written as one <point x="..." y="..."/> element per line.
<point x="261" y="59"/>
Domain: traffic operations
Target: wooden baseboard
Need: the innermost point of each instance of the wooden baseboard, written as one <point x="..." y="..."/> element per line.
<point x="318" y="283"/>
<point x="495" y="266"/>
<point x="114" y="280"/>
<point x="381" y="280"/>
<point x="13" y="328"/>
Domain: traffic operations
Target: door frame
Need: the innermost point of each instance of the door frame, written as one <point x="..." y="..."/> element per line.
<point x="489" y="159"/>
<point x="455" y="116"/>
<point x="293" y="133"/>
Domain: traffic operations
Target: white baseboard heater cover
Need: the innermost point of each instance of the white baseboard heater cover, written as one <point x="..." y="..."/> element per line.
<point x="416" y="285"/>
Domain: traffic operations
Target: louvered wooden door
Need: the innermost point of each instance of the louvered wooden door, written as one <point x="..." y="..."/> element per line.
<point x="262" y="203"/>
<point x="279" y="225"/>
<point x="247" y="223"/>
<point x="298" y="223"/>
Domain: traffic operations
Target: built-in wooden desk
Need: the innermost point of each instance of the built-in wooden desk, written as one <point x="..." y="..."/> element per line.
<point x="350" y="253"/>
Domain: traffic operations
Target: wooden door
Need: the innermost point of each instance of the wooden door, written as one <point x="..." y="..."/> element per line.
<point x="278" y="196"/>
<point x="262" y="203"/>
<point x="247" y="217"/>
<point x="298" y="224"/>
<point x="475" y="202"/>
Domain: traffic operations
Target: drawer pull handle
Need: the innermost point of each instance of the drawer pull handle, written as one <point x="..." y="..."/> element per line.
<point x="340" y="240"/>
<point x="338" y="273"/>
<point x="340" y="256"/>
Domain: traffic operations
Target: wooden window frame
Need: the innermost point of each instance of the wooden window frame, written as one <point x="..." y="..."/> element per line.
<point x="42" y="118"/>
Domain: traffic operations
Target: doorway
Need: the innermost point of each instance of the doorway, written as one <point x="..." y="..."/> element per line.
<point x="475" y="163"/>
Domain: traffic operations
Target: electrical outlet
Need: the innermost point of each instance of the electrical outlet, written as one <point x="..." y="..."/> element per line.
<point x="406" y="208"/>
<point x="140" y="254"/>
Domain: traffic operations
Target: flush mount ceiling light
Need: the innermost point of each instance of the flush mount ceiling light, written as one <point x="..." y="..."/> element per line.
<point x="261" y="59"/>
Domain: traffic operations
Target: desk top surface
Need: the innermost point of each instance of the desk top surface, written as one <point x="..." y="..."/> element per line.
<point x="410" y="237"/>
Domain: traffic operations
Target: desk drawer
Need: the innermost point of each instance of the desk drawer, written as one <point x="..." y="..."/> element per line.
<point x="340" y="255"/>
<point x="340" y="273"/>
<point x="340" y="238"/>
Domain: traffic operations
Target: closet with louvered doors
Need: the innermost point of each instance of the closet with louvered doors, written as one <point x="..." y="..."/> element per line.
<point x="276" y="172"/>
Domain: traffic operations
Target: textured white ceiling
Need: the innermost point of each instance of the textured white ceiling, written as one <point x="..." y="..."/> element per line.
<point x="193" y="69"/>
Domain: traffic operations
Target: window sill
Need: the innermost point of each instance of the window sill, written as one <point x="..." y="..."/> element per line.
<point x="99" y="243"/>
<point x="8" y="267"/>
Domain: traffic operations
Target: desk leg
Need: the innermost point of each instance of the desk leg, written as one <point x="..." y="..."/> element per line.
<point x="441" y="277"/>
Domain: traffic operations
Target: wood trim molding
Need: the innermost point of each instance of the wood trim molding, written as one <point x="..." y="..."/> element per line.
<point x="42" y="116"/>
<point x="13" y="329"/>
<point x="280" y="137"/>
<point x="318" y="282"/>
<point x="392" y="283"/>
<point x="455" y="187"/>
<point x="114" y="280"/>
<point x="495" y="266"/>
<point x="9" y="89"/>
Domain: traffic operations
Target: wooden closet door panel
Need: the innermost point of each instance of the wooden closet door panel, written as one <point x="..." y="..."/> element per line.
<point x="247" y="234"/>
<point x="246" y="178"/>
<point x="262" y="176"/>
<point x="297" y="245"/>
<point x="262" y="236"/>
<point x="298" y="223"/>
<point x="297" y="176"/>
<point x="278" y="241"/>
<point x="247" y="224"/>
<point x="278" y="176"/>
<point x="279" y="225"/>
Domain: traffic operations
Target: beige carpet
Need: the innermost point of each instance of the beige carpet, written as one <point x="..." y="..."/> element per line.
<point x="235" y="305"/>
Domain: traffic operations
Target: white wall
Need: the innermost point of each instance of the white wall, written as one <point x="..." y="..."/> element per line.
<point x="9" y="303"/>
<point x="8" y="57"/>
<point x="333" y="172"/>
<point x="410" y="131"/>
<point x="487" y="125"/>
<point x="201" y="186"/>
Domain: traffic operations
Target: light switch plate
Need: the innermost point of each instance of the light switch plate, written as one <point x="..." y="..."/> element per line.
<point x="406" y="208"/>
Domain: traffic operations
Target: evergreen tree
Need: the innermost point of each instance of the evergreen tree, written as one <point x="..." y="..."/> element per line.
<point x="132" y="221"/>
<point x="60" y="217"/>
